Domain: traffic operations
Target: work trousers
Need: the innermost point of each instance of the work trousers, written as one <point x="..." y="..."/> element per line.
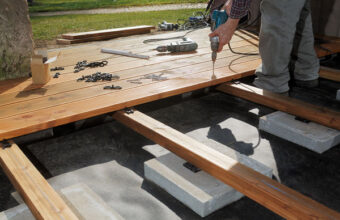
<point x="286" y="44"/>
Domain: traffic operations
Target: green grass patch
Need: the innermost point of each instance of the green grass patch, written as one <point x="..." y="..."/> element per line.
<point x="62" y="5"/>
<point x="49" y="27"/>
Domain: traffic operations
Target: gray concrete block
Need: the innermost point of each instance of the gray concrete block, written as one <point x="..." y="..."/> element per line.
<point x="338" y="95"/>
<point x="313" y="136"/>
<point x="199" y="191"/>
<point x="20" y="212"/>
<point x="87" y="204"/>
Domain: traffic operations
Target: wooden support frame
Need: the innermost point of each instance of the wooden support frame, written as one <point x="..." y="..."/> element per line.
<point x="330" y="74"/>
<point x="279" y="102"/>
<point x="39" y="196"/>
<point x="267" y="192"/>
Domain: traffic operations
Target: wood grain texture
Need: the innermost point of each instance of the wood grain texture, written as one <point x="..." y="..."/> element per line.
<point x="329" y="73"/>
<point x="39" y="196"/>
<point x="150" y="91"/>
<point x="327" y="49"/>
<point x="267" y="192"/>
<point x="101" y="37"/>
<point x="67" y="82"/>
<point x="290" y="105"/>
<point x="68" y="58"/>
<point x="108" y="32"/>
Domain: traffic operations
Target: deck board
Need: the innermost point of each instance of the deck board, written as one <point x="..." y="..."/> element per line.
<point x="25" y="108"/>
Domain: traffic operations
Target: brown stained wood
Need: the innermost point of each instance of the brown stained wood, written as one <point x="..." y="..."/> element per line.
<point x="279" y="102"/>
<point x="329" y="73"/>
<point x="92" y="53"/>
<point x="116" y="64"/>
<point x="97" y="90"/>
<point x="39" y="196"/>
<point x="135" y="42"/>
<point x="70" y="112"/>
<point x="99" y="38"/>
<point x="108" y="32"/>
<point x="327" y="49"/>
<point x="267" y="192"/>
<point x="172" y="70"/>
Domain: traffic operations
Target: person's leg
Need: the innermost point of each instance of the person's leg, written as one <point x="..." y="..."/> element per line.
<point x="305" y="63"/>
<point x="278" y="27"/>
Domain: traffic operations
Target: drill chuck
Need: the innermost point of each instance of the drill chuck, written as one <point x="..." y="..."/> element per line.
<point x="214" y="43"/>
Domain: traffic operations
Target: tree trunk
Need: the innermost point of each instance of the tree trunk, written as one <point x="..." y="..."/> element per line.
<point x="16" y="43"/>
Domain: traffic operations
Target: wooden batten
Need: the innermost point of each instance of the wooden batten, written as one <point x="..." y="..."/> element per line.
<point x="267" y="192"/>
<point x="38" y="195"/>
<point x="282" y="103"/>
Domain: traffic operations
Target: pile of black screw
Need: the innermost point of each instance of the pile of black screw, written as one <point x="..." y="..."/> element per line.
<point x="57" y="68"/>
<point x="98" y="76"/>
<point x="81" y="65"/>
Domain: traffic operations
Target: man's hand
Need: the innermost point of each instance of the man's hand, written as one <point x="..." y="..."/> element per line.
<point x="225" y="32"/>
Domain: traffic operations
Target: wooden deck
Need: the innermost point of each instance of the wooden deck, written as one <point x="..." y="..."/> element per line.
<point x="26" y="108"/>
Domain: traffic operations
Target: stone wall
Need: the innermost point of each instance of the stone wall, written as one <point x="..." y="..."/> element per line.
<point x="16" y="44"/>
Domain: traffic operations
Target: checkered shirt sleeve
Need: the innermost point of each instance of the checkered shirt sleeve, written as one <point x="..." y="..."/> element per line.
<point x="239" y="8"/>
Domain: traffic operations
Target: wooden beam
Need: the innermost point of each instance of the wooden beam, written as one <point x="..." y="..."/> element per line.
<point x="329" y="73"/>
<point x="39" y="196"/>
<point x="269" y="193"/>
<point x="327" y="49"/>
<point x="279" y="102"/>
<point x="108" y="32"/>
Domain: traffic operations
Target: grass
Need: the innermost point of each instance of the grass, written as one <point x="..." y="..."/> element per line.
<point x="62" y="5"/>
<point x="48" y="28"/>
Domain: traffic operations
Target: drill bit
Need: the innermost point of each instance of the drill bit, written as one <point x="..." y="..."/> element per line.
<point x="215" y="42"/>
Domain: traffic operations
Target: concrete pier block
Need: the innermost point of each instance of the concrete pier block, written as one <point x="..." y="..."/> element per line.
<point x="85" y="203"/>
<point x="199" y="191"/>
<point x="313" y="136"/>
<point x="88" y="204"/>
<point x="338" y="95"/>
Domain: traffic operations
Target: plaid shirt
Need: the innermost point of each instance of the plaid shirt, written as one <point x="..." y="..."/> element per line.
<point x="239" y="8"/>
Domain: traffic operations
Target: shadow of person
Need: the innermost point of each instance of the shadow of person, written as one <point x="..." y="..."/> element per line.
<point x="226" y="137"/>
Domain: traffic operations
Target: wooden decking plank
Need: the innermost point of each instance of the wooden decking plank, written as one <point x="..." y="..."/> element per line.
<point x="39" y="196"/>
<point x="124" y="30"/>
<point x="112" y="67"/>
<point x="135" y="42"/>
<point x="290" y="105"/>
<point x="70" y="112"/>
<point x="100" y="38"/>
<point x="267" y="192"/>
<point x="327" y="49"/>
<point x="329" y="73"/>
<point x="97" y="90"/>
<point x="165" y="68"/>
<point x="145" y="49"/>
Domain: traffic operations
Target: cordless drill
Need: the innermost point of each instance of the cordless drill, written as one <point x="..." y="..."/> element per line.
<point x="218" y="18"/>
<point x="187" y="45"/>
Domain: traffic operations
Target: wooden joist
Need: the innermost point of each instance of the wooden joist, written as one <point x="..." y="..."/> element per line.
<point x="267" y="192"/>
<point x="329" y="73"/>
<point x="39" y="196"/>
<point x="74" y="38"/>
<point x="326" y="49"/>
<point x="279" y="102"/>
